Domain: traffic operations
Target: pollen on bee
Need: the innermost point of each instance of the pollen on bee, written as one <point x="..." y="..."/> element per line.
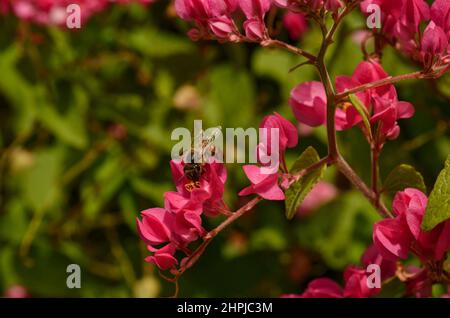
<point x="192" y="185"/>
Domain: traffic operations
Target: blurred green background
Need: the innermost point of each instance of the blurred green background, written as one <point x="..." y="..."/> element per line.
<point x="86" y="119"/>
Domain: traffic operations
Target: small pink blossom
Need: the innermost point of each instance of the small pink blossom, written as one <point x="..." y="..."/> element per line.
<point x="208" y="191"/>
<point x="295" y="24"/>
<point x="255" y="8"/>
<point x="395" y="237"/>
<point x="320" y="288"/>
<point x="163" y="257"/>
<point x="16" y="291"/>
<point x="156" y="226"/>
<point x="434" y="43"/>
<point x="308" y="102"/>
<point x="222" y="27"/>
<point x="440" y="15"/>
<point x="356" y="283"/>
<point x="287" y="132"/>
<point x="265" y="185"/>
<point x="255" y="29"/>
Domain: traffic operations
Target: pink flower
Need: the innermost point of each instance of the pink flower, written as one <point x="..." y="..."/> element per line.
<point x="440" y="14"/>
<point x="255" y="29"/>
<point x="333" y="5"/>
<point x="381" y="102"/>
<point x="208" y="191"/>
<point x="356" y="280"/>
<point x="192" y="10"/>
<point x="321" y="288"/>
<point x="188" y="226"/>
<point x="163" y="257"/>
<point x="161" y="227"/>
<point x="314" y="5"/>
<point x="434" y="43"/>
<point x="295" y="24"/>
<point x="365" y="72"/>
<point x="372" y="255"/>
<point x="395" y="237"/>
<point x="392" y="239"/>
<point x="419" y="284"/>
<point x="356" y="283"/>
<point x="309" y="102"/>
<point x="54" y="12"/>
<point x="387" y="110"/>
<point x="321" y="194"/>
<point x="414" y="12"/>
<point x="255" y="8"/>
<point x="16" y="291"/>
<point x="265" y="185"/>
<point x="287" y="132"/>
<point x="222" y="27"/>
<point x="213" y="15"/>
<point x="156" y="226"/>
<point x="400" y="21"/>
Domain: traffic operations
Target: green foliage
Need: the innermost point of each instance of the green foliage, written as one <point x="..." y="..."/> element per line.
<point x="438" y="209"/>
<point x="339" y="231"/>
<point x="402" y="177"/>
<point x="359" y="106"/>
<point x="86" y="119"/>
<point x="297" y="191"/>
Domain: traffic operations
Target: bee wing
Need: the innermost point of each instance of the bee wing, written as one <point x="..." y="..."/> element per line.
<point x="208" y="143"/>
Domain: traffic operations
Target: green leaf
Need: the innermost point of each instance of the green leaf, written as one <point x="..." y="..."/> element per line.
<point x="157" y="44"/>
<point x="108" y="179"/>
<point x="438" y="209"/>
<point x="339" y="231"/>
<point x="402" y="177"/>
<point x="298" y="190"/>
<point x="232" y="92"/>
<point x="41" y="182"/>
<point x="362" y="110"/>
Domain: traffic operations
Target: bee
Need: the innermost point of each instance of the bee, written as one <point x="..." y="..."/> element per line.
<point x="195" y="163"/>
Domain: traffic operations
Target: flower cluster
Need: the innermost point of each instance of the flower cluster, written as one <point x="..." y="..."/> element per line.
<point x="401" y="26"/>
<point x="266" y="182"/>
<point x="393" y="239"/>
<point x="219" y="18"/>
<point x="355" y="279"/>
<point x="172" y="228"/>
<point x="54" y="12"/>
<point x="309" y="102"/>
<point x="310" y="5"/>
<point x="367" y="99"/>
<point x="396" y="237"/>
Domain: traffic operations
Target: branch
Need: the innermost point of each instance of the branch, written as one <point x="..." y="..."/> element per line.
<point x="351" y="175"/>
<point x="334" y="155"/>
<point x="194" y="257"/>
<point x="282" y="45"/>
<point x="300" y="174"/>
<point x="382" y="82"/>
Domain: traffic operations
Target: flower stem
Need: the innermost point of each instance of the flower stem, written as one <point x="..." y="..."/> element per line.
<point x="195" y="255"/>
<point x="382" y="82"/>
